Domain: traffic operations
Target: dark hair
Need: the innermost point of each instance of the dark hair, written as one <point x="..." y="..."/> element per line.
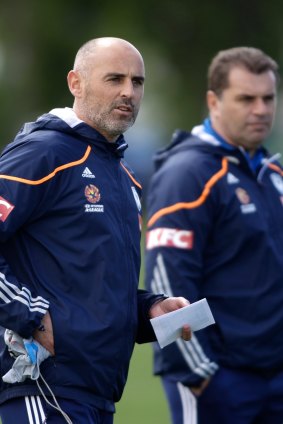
<point x="250" y="58"/>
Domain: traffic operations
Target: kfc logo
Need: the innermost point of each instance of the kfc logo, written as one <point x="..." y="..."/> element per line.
<point x="169" y="237"/>
<point x="5" y="209"/>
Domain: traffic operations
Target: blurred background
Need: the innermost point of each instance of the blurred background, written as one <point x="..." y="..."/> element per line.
<point x="178" y="38"/>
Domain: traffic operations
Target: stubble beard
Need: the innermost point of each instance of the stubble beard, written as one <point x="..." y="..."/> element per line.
<point x="104" y="120"/>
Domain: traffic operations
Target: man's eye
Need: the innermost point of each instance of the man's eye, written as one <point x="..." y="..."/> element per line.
<point x="247" y="99"/>
<point x="268" y="99"/>
<point x="138" y="81"/>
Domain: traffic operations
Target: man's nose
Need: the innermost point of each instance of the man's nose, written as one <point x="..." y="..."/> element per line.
<point x="260" y="107"/>
<point x="127" y="89"/>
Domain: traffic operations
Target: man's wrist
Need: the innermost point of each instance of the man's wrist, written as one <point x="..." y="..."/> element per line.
<point x="159" y="300"/>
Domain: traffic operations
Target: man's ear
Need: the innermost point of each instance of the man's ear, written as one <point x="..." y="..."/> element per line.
<point x="213" y="103"/>
<point x="211" y="100"/>
<point x="75" y="83"/>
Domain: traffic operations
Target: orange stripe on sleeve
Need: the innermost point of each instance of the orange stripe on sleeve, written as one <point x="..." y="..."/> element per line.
<point x="191" y="205"/>
<point x="132" y="178"/>
<point x="51" y="175"/>
<point x="276" y="168"/>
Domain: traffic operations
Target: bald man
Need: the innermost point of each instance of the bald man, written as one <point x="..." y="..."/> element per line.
<point x="70" y="219"/>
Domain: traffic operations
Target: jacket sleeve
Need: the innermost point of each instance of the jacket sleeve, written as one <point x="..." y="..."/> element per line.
<point x="180" y="218"/>
<point x="21" y="310"/>
<point x="145" y="331"/>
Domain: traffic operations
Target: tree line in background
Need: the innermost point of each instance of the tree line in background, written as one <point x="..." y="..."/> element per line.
<point x="38" y="41"/>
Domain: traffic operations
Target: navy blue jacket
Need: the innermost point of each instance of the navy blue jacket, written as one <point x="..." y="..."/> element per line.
<point x="215" y="231"/>
<point x="70" y="219"/>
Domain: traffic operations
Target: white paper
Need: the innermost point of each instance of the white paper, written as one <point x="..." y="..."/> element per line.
<point x="168" y="327"/>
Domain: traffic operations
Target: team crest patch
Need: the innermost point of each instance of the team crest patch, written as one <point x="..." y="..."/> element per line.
<point x="92" y="193"/>
<point x="244" y="199"/>
<point x="5" y="209"/>
<point x="277" y="181"/>
<point x="93" y="196"/>
<point x="242" y="195"/>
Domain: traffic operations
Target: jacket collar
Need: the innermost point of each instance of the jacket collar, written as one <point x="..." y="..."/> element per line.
<point x="70" y="118"/>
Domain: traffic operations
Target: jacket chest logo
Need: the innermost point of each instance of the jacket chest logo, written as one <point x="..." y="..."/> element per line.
<point x="92" y="193"/>
<point x="231" y="179"/>
<point x="277" y="181"/>
<point x="245" y="201"/>
<point x="93" y="196"/>
<point x="87" y="173"/>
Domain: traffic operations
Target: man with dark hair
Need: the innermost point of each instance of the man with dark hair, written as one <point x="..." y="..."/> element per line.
<point x="249" y="58"/>
<point x="70" y="220"/>
<point x="215" y="231"/>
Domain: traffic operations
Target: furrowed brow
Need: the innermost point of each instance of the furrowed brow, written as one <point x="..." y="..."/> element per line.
<point x="120" y="75"/>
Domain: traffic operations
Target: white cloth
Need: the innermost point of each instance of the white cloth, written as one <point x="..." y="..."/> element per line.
<point x="28" y="353"/>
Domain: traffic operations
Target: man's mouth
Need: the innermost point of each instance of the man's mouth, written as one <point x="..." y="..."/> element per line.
<point x="124" y="108"/>
<point x="124" y="111"/>
<point x="261" y="124"/>
<point x="263" y="121"/>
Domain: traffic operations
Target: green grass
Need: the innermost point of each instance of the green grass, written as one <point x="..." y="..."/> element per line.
<point x="143" y="400"/>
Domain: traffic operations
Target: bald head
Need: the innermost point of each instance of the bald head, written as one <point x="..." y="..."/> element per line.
<point x="91" y="52"/>
<point x="107" y="84"/>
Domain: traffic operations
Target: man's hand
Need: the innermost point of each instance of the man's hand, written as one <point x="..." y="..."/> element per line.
<point x="169" y="305"/>
<point x="45" y="336"/>
<point x="197" y="391"/>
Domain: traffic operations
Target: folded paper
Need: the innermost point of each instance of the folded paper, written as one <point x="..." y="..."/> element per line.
<point x="168" y="327"/>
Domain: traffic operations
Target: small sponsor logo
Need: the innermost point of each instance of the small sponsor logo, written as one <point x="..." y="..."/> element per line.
<point x="231" y="179"/>
<point x="94" y="208"/>
<point x="277" y="181"/>
<point x="169" y="237"/>
<point x="87" y="173"/>
<point x="250" y="208"/>
<point x="5" y="209"/>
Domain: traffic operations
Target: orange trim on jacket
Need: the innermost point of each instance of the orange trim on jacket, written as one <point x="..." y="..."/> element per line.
<point x="51" y="175"/>
<point x="132" y="178"/>
<point x="276" y="168"/>
<point x="191" y="205"/>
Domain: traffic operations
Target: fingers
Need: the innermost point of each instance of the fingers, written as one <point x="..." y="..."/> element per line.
<point x="186" y="333"/>
<point x="167" y="305"/>
<point x="174" y="303"/>
<point x="182" y="301"/>
<point x="197" y="391"/>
